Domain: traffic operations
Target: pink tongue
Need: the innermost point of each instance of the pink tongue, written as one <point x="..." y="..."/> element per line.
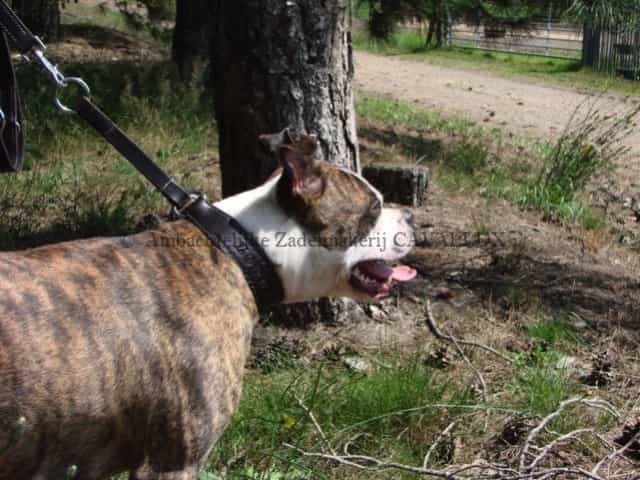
<point x="378" y="269"/>
<point x="402" y="273"/>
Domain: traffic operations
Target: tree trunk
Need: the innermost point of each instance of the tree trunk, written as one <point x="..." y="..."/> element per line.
<point x="429" y="38"/>
<point x="591" y="45"/>
<point x="41" y="16"/>
<point x="281" y="63"/>
<point x="192" y="37"/>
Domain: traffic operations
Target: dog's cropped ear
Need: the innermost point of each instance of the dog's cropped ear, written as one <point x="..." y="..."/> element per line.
<point x="273" y="141"/>
<point x="299" y="161"/>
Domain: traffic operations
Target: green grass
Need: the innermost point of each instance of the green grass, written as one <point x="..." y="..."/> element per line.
<point x="540" y="384"/>
<point x="79" y="13"/>
<point x="553" y="331"/>
<point x="550" y="178"/>
<point x="392" y="413"/>
<point x="102" y="18"/>
<point x="75" y="185"/>
<point x="345" y="404"/>
<point x="551" y="70"/>
<point x="396" y="112"/>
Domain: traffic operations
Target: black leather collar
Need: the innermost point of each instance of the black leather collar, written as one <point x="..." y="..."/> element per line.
<point x="227" y="234"/>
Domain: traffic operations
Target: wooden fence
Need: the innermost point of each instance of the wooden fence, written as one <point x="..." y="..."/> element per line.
<point x="613" y="50"/>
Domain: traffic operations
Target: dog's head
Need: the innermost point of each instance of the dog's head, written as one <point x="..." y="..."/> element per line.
<point x="325" y="228"/>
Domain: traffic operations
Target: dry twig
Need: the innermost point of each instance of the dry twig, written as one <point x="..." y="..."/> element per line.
<point x="433" y="446"/>
<point x="483" y="470"/>
<point x="317" y="426"/>
<point x="615" y="453"/>
<point x="595" y="403"/>
<point x="431" y="323"/>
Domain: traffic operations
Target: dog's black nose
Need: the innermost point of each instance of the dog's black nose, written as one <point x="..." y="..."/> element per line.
<point x="409" y="217"/>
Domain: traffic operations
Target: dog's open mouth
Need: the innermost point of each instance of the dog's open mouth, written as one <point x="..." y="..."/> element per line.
<point x="375" y="277"/>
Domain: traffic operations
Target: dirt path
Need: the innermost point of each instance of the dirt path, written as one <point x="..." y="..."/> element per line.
<point x="515" y="105"/>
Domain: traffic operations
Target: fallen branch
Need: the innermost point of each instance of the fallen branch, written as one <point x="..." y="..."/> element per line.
<point x="475" y="471"/>
<point x="432" y="448"/>
<point x="563" y="438"/>
<point x="483" y="384"/>
<point x="615" y="453"/>
<point x="317" y="426"/>
<point x="520" y="470"/>
<point x="598" y="404"/>
<point x="433" y="327"/>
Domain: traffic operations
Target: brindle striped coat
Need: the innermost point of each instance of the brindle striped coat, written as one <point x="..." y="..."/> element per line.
<point x="111" y="357"/>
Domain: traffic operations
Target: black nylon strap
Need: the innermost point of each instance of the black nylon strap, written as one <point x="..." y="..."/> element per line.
<point x="11" y="137"/>
<point x="16" y="31"/>
<point x="224" y="231"/>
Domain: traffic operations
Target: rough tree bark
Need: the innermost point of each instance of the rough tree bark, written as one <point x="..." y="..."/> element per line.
<point x="192" y="37"/>
<point x="41" y="16"/>
<point x="279" y="63"/>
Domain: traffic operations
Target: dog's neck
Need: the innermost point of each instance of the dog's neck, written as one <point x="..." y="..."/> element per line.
<point x="302" y="270"/>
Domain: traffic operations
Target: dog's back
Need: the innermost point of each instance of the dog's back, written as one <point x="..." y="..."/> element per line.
<point x="110" y="357"/>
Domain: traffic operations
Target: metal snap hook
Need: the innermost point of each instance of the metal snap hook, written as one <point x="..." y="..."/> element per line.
<point x="3" y="121"/>
<point x="67" y="81"/>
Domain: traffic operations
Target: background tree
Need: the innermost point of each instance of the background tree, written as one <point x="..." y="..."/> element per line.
<point x="277" y="64"/>
<point x="41" y="16"/>
<point x="383" y="16"/>
<point x="605" y="13"/>
<point x="192" y="36"/>
<point x="599" y="15"/>
<point x="495" y="16"/>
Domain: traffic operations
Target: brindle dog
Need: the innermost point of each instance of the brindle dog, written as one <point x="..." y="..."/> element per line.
<point x="127" y="354"/>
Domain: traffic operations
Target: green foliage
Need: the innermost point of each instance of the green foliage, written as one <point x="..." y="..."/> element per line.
<point x="378" y="406"/>
<point x="617" y="13"/>
<point x="552" y="331"/>
<point x="473" y="160"/>
<point x="540" y="382"/>
<point x="586" y="149"/>
<point x="75" y="185"/>
<point x="398" y="43"/>
<point x="391" y="111"/>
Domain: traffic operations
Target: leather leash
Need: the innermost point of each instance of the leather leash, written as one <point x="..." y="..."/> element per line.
<point x="222" y="230"/>
<point x="11" y="138"/>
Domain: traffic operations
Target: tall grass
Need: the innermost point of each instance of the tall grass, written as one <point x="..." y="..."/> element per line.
<point x="586" y="150"/>
<point x="549" y="177"/>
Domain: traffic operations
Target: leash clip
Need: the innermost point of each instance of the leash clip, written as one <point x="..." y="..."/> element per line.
<point x="55" y="74"/>
<point x="3" y="121"/>
<point x="68" y="81"/>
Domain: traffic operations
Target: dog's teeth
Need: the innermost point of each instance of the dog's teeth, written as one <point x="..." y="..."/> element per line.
<point x="364" y="278"/>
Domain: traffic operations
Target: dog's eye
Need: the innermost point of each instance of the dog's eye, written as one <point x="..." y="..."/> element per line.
<point x="375" y="207"/>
